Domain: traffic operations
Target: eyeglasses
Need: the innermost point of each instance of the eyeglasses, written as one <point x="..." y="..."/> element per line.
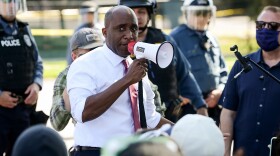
<point x="270" y="25"/>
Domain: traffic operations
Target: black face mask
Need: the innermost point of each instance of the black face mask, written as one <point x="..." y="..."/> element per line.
<point x="142" y="29"/>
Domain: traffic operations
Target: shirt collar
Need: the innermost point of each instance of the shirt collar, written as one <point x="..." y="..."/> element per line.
<point x="6" y="26"/>
<point x="258" y="58"/>
<point x="112" y="57"/>
<point x="191" y="31"/>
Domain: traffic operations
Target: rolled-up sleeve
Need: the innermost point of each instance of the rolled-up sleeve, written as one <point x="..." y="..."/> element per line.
<point x="80" y="85"/>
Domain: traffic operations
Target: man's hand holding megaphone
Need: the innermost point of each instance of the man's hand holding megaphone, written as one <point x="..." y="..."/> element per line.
<point x="136" y="71"/>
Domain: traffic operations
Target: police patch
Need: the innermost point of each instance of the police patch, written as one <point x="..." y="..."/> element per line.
<point x="27" y="40"/>
<point x="10" y="43"/>
<point x="140" y="49"/>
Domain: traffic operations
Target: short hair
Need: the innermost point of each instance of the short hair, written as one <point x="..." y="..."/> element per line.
<point x="139" y="146"/>
<point x="108" y="16"/>
<point x="39" y="140"/>
<point x="109" y="13"/>
<point x="273" y="9"/>
<point x="150" y="148"/>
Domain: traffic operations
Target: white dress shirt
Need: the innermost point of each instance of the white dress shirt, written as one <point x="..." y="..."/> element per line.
<point x="91" y="74"/>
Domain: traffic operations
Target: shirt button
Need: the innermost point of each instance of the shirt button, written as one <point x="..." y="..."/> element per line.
<point x="261" y="105"/>
<point x="258" y="123"/>
<point x="264" y="89"/>
<point x="257" y="140"/>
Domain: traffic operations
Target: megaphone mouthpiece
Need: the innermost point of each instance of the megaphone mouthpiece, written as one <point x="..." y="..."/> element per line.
<point x="130" y="47"/>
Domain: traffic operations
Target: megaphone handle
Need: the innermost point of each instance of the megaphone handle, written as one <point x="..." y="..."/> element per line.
<point x="141" y="105"/>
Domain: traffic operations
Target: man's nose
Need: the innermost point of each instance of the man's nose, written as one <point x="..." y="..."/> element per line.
<point x="266" y="25"/>
<point x="129" y="34"/>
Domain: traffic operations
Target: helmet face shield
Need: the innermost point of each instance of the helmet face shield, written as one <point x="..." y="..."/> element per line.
<point x="151" y="5"/>
<point x="199" y="17"/>
<point x="12" y="7"/>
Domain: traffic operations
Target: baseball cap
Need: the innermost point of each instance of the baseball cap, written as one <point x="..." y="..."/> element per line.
<point x="86" y="38"/>
<point x="198" y="135"/>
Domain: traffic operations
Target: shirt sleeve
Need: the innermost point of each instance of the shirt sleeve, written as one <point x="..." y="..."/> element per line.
<point x="152" y="116"/>
<point x="223" y="73"/>
<point x="38" y="75"/>
<point x="188" y="85"/>
<point x="78" y="92"/>
<point x="230" y="95"/>
<point x="222" y="63"/>
<point x="59" y="116"/>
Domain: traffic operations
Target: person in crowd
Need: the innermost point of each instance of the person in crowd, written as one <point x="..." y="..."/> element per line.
<point x="138" y="146"/>
<point x="176" y="83"/>
<point x="198" y="135"/>
<point x="83" y="41"/>
<point x="87" y="11"/>
<point x="250" y="111"/>
<point x="198" y="45"/>
<point x="102" y="88"/>
<point x="39" y="140"/>
<point x="21" y="74"/>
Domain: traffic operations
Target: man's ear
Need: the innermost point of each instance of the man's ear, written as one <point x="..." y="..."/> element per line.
<point x="73" y="55"/>
<point x="104" y="32"/>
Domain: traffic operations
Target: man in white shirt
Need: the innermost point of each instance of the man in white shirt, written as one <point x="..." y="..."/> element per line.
<point x="98" y="87"/>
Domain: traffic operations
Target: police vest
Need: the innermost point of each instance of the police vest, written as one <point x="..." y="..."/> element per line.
<point x="165" y="79"/>
<point x="17" y="60"/>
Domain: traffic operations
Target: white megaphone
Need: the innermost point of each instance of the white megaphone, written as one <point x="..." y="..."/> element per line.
<point x="161" y="54"/>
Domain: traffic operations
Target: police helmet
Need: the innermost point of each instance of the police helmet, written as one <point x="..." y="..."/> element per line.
<point x="194" y="10"/>
<point x="199" y="5"/>
<point x="151" y="5"/>
<point x="88" y="7"/>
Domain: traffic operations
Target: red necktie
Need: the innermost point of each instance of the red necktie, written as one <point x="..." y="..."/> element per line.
<point x="133" y="99"/>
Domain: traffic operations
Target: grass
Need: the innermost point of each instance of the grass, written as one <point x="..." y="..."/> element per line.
<point x="53" y="67"/>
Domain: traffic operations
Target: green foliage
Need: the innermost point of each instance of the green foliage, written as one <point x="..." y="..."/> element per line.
<point x="252" y="8"/>
<point x="52" y="67"/>
<point x="245" y="45"/>
<point x="255" y="7"/>
<point x="48" y="45"/>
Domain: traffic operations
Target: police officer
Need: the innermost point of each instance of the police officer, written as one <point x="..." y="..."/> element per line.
<point x="202" y="51"/>
<point x="176" y="83"/>
<point x="87" y="11"/>
<point x="21" y="74"/>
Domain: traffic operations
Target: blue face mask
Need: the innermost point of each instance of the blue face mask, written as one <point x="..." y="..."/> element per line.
<point x="267" y="39"/>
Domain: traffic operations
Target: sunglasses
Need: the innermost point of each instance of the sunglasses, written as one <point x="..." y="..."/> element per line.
<point x="270" y="25"/>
